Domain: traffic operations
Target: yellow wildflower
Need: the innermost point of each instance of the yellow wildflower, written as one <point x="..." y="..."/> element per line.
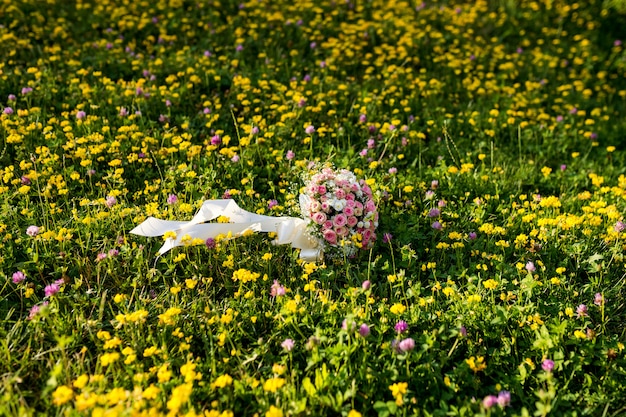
<point x="273" y="384"/>
<point x="274" y="412"/>
<point x="476" y="364"/>
<point x="397" y="308"/>
<point x="62" y="395"/>
<point x="222" y="381"/>
<point x="398" y="390"/>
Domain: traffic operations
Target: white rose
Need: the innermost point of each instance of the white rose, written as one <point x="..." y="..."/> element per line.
<point x="339" y="204"/>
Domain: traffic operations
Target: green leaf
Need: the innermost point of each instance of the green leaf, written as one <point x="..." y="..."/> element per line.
<point x="543" y="341"/>
<point x="381" y="408"/>
<point x="523" y="373"/>
<point x="308" y="387"/>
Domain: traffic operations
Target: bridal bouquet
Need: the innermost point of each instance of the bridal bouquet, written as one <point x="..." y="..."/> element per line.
<point x="341" y="211"/>
<point x="339" y="217"/>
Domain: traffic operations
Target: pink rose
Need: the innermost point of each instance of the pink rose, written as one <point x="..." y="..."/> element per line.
<point x="319" y="217"/>
<point x="341" y="231"/>
<point x="321" y="189"/>
<point x="370" y="206"/>
<point x="327" y="224"/>
<point x="352" y="221"/>
<point x="339" y="220"/>
<point x="348" y="211"/>
<point x="340" y="194"/>
<point x="315" y="206"/>
<point x="350" y="197"/>
<point x="330" y="236"/>
<point x="325" y="206"/>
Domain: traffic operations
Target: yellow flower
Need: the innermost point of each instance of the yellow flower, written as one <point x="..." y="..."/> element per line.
<point x="530" y="363"/>
<point x="169" y="235"/>
<point x="397" y="308"/>
<point x="180" y="395"/>
<point x="164" y="374"/>
<point x="119" y="298"/>
<point x="398" y="390"/>
<point x="81" y="381"/>
<point x="169" y="317"/>
<point x="274" y="412"/>
<point x="85" y="401"/>
<point x="153" y="350"/>
<point x="222" y="381"/>
<point x="354" y="413"/>
<point x="62" y="395"/>
<point x="291" y="306"/>
<point x="474" y="298"/>
<point x="137" y="316"/>
<point x="113" y="343"/>
<point x="103" y="335"/>
<point x="244" y="275"/>
<point x="221" y="338"/>
<point x="108" y="358"/>
<point x="151" y="392"/>
<point x="273" y="384"/>
<point x="188" y="371"/>
<point x="229" y="262"/>
<point x="490" y="284"/>
<point x="278" y="369"/>
<point x="476" y="364"/>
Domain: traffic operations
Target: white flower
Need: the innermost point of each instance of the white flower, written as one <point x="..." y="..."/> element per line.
<point x="338" y="204"/>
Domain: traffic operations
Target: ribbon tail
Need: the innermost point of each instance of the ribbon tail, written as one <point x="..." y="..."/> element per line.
<point x="293" y="231"/>
<point x="152" y="227"/>
<point x="206" y="230"/>
<point x="289" y="230"/>
<point x="310" y="255"/>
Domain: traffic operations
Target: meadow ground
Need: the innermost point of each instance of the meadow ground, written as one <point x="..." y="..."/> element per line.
<point x="491" y="134"/>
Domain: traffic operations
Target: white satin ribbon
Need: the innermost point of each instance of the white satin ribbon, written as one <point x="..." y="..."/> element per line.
<point x="289" y="230"/>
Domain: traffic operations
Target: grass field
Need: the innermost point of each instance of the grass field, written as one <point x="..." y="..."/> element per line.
<point x="491" y="134"/>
